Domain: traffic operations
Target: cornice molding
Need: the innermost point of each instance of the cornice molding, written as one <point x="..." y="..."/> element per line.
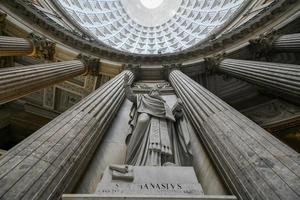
<point x="30" y="13"/>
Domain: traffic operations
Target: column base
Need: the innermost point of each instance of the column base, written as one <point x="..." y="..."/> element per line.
<point x="147" y="182"/>
<point x="145" y="197"/>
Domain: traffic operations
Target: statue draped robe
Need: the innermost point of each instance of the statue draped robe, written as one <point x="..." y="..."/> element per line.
<point x="153" y="140"/>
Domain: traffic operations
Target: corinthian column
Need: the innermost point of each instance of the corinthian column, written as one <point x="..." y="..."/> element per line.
<point x="284" y="78"/>
<point x="253" y="163"/>
<point x="272" y="42"/>
<point x="48" y="163"/>
<point x="16" y="82"/>
<point x="32" y="46"/>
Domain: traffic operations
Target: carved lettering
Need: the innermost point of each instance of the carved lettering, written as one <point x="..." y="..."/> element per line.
<point x="161" y="186"/>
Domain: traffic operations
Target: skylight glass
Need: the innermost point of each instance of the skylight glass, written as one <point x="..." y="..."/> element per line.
<point x="151" y="4"/>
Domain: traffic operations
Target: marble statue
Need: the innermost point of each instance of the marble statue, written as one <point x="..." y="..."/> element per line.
<point x="159" y="136"/>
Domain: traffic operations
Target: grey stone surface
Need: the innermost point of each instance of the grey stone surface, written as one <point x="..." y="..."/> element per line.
<point x="16" y="82"/>
<point x="289" y="43"/>
<point x="253" y="163"/>
<point x="205" y="170"/>
<point x="149" y="180"/>
<point x="49" y="162"/>
<point x="112" y="150"/>
<point x="144" y="197"/>
<point x="279" y="77"/>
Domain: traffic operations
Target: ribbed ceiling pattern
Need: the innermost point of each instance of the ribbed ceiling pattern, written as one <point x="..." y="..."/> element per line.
<point x="108" y="21"/>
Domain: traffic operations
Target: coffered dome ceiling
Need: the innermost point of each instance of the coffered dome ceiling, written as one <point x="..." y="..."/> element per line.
<point x="150" y="26"/>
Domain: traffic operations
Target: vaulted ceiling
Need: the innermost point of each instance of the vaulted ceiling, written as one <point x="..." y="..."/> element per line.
<point x="130" y="26"/>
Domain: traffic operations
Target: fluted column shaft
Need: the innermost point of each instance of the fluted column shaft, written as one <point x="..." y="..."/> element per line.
<point x="16" y="82"/>
<point x="290" y="42"/>
<point x="284" y="78"/>
<point x="253" y="163"/>
<point x="47" y="163"/>
<point x="13" y="46"/>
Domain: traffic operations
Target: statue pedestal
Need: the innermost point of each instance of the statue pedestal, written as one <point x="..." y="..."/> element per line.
<point x="147" y="182"/>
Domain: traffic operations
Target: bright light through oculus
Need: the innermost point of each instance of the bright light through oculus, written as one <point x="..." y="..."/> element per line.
<point x="151" y="4"/>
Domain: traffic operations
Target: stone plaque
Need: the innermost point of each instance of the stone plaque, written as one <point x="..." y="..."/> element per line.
<point x="150" y="180"/>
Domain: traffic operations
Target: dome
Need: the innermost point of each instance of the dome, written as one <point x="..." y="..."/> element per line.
<point x="150" y="26"/>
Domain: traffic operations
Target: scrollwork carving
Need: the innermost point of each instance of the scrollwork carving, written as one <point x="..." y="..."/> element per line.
<point x="212" y="63"/>
<point x="43" y="48"/>
<point x="92" y="64"/>
<point x="261" y="47"/>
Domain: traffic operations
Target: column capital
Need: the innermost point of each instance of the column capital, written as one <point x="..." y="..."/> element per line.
<point x="43" y="48"/>
<point x="262" y="46"/>
<point x="169" y="68"/>
<point x="92" y="64"/>
<point x="134" y="68"/>
<point x="212" y="63"/>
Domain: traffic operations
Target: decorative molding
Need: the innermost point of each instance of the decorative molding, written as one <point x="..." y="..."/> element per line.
<point x="29" y="12"/>
<point x="135" y="69"/>
<point x="91" y="63"/>
<point x="43" y="48"/>
<point x="169" y="68"/>
<point x="213" y="62"/>
<point x="262" y="46"/>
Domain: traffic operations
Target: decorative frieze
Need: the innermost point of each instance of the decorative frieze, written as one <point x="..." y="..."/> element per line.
<point x="30" y="13"/>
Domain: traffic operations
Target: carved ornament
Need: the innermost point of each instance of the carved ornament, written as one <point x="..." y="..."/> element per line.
<point x="43" y="48"/>
<point x="213" y="62"/>
<point x="136" y="69"/>
<point x="91" y="63"/>
<point x="262" y="46"/>
<point x="169" y="68"/>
